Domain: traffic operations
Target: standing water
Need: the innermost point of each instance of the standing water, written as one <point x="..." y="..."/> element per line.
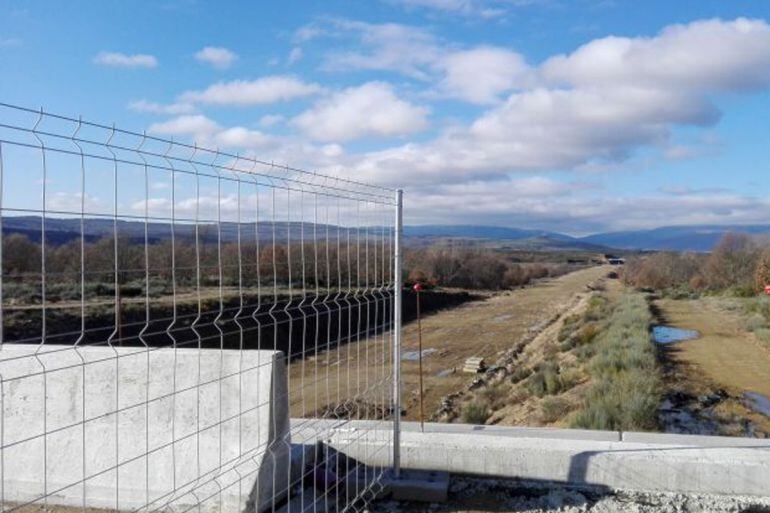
<point x="670" y="334"/>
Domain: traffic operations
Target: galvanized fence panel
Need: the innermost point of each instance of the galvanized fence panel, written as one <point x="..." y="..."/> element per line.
<point x="183" y="328"/>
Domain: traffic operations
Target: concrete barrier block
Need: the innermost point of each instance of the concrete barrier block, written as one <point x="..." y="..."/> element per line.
<point x="127" y="427"/>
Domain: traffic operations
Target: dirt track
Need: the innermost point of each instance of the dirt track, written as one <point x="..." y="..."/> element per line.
<point x="484" y="328"/>
<point x="725" y="356"/>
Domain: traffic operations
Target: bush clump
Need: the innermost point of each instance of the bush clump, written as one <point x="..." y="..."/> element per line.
<point x="520" y="374"/>
<point x="625" y="370"/>
<point x="475" y="412"/>
<point x="549" y="379"/>
<point x="553" y="409"/>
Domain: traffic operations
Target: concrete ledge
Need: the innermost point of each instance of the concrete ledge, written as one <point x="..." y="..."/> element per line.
<point x="693" y="440"/>
<point x="629" y="461"/>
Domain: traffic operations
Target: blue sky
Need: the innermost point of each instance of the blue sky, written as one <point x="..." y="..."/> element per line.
<point x="577" y="116"/>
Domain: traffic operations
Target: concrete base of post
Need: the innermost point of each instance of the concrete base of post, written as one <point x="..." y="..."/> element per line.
<point x="647" y="462"/>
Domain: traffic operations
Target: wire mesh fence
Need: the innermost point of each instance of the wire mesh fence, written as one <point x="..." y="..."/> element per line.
<point x="183" y="328"/>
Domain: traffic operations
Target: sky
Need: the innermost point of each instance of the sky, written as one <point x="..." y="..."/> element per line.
<point x="575" y="116"/>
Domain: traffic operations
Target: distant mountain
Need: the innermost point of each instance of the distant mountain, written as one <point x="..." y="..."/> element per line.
<point x="548" y="243"/>
<point x="64" y="230"/>
<point x="512" y="238"/>
<point x="673" y="238"/>
<point x="479" y="232"/>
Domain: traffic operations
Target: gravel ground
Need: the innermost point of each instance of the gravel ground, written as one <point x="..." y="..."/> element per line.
<point x="489" y="495"/>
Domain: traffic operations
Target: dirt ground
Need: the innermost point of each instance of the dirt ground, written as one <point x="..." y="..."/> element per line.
<point x="484" y="328"/>
<point x="725" y="356"/>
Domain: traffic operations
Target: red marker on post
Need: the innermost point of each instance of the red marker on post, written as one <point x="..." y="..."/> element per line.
<point x="417" y="288"/>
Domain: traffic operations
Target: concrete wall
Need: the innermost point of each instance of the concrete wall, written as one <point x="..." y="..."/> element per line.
<point x="618" y="461"/>
<point x="125" y="427"/>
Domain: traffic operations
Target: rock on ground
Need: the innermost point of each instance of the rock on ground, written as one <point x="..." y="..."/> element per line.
<point x="490" y="495"/>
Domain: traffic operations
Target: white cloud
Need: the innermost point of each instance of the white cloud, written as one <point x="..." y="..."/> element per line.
<point x="543" y="129"/>
<point x="208" y="133"/>
<point x="295" y="55"/>
<point x="481" y="74"/>
<point x="711" y="55"/>
<point x="372" y="109"/>
<point x="332" y="150"/>
<point x="218" y="57"/>
<point x="539" y="202"/>
<point x="121" y="60"/>
<point x="269" y="120"/>
<point x="240" y="137"/>
<point x="597" y="105"/>
<point x="391" y="47"/>
<point x="263" y="90"/>
<point x="484" y="9"/>
<point x="478" y="75"/>
<point x="195" y="124"/>
<point x="159" y="108"/>
<point x="308" y="33"/>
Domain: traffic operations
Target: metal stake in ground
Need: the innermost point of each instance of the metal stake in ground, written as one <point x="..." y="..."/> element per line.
<point x="417" y="288"/>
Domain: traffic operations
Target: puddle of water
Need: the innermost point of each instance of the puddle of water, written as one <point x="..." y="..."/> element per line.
<point x="758" y="402"/>
<point x="670" y="334"/>
<point x="446" y="372"/>
<point x="413" y="356"/>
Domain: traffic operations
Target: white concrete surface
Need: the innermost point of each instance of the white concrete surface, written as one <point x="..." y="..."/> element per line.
<point x="618" y="461"/>
<point x="125" y="427"/>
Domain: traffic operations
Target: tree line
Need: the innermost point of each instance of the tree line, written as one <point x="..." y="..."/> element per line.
<point x="158" y="267"/>
<point x="474" y="268"/>
<point x="737" y="264"/>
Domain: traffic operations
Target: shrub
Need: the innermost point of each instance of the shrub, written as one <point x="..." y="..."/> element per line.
<point x="596" y="309"/>
<point x="585" y="353"/>
<point x="586" y="334"/>
<point x="548" y="380"/>
<point x="520" y="374"/>
<point x="475" y="413"/>
<point x="553" y="409"/>
<point x="550" y="350"/>
<point x="493" y="395"/>
<point x="755" y="322"/>
<point x="757" y="305"/>
<point x="763" y="335"/>
<point x="662" y="270"/>
<point x="568" y="327"/>
<point x="733" y="263"/>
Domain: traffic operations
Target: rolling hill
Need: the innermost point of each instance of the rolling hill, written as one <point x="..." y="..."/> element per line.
<point x="674" y="238"/>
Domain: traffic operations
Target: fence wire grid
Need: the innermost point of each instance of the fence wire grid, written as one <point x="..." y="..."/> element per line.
<point x="182" y="328"/>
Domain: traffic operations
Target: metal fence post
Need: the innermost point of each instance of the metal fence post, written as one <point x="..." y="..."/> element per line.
<point x="397" y="338"/>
